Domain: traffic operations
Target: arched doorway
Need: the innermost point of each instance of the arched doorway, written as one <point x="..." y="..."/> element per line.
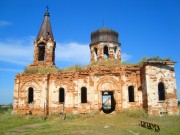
<point x="108" y="101"/>
<point x="108" y="94"/>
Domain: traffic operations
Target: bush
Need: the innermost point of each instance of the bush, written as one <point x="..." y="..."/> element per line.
<point x="109" y="62"/>
<point x="41" y="70"/>
<point x="73" y="68"/>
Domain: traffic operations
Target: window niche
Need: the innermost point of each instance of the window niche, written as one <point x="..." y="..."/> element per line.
<point x="131" y="93"/>
<point x="30" y="95"/>
<point x="41" y="50"/>
<point x="115" y="52"/>
<point x="95" y="54"/>
<point x="83" y="95"/>
<point x="106" y="52"/>
<point x="61" y="95"/>
<point x="161" y="91"/>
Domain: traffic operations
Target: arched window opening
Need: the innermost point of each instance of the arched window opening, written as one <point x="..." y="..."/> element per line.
<point x="115" y="52"/>
<point x="41" y="56"/>
<point x="131" y="93"/>
<point x="53" y="54"/>
<point x="95" y="54"/>
<point x="106" y="54"/>
<point x="83" y="95"/>
<point x="161" y="91"/>
<point x="61" y="95"/>
<point x="30" y="95"/>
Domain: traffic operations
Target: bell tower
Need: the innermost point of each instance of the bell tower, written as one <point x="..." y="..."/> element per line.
<point x="104" y="45"/>
<point x="44" y="45"/>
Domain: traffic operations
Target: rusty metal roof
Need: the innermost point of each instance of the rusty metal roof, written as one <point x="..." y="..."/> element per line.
<point x="104" y="30"/>
<point x="104" y="35"/>
<point x="45" y="30"/>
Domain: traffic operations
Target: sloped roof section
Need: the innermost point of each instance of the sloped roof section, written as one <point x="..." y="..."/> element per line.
<point x="45" y="30"/>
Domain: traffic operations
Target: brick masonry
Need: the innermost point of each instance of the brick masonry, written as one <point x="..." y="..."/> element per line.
<point x="96" y="79"/>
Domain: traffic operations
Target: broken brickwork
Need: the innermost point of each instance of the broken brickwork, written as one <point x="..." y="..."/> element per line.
<point x="155" y="73"/>
<point x="151" y="86"/>
<point x="95" y="79"/>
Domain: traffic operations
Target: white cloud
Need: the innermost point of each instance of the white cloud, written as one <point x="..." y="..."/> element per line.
<point x="4" y="23"/>
<point x="125" y="56"/>
<point x="73" y="52"/>
<point x="77" y="53"/>
<point x="16" y="51"/>
<point x="10" y="70"/>
<point x="21" y="52"/>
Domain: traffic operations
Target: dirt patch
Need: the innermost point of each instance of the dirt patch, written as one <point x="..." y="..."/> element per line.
<point x="23" y="129"/>
<point x="83" y="132"/>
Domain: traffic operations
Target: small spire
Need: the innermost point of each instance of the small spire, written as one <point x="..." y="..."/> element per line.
<point x="45" y="30"/>
<point x="103" y="23"/>
<point x="47" y="11"/>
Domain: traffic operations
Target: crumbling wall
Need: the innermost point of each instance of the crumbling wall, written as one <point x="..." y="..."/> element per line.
<point x="131" y="77"/>
<point x="39" y="84"/>
<point x="144" y="88"/>
<point x="111" y="51"/>
<point x="49" y="54"/>
<point x="161" y="72"/>
<point x="96" y="79"/>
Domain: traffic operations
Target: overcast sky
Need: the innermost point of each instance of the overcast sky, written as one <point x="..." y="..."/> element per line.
<point x="146" y="28"/>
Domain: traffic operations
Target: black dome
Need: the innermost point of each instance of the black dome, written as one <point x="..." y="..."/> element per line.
<point x="104" y="35"/>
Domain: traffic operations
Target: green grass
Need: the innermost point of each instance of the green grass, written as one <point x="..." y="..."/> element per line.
<point x="121" y="123"/>
<point x="41" y="70"/>
<point x="72" y="68"/>
<point x="109" y="63"/>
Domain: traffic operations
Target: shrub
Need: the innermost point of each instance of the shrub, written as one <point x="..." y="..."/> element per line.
<point x="41" y="70"/>
<point x="73" y="68"/>
<point x="109" y="62"/>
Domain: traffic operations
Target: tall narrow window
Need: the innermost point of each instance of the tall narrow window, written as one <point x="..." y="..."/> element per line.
<point x="41" y="56"/>
<point x="106" y="54"/>
<point x="161" y="91"/>
<point x="30" y="95"/>
<point x="61" y="95"/>
<point x="115" y="52"/>
<point x="131" y="93"/>
<point x="95" y="54"/>
<point x="83" y="95"/>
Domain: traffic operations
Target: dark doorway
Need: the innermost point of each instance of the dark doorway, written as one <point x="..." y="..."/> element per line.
<point x="108" y="102"/>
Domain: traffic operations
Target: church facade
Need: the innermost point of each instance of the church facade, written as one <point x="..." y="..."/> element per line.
<point x="104" y="88"/>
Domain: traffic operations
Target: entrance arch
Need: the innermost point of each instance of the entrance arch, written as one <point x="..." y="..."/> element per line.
<point x="108" y="101"/>
<point x="107" y="88"/>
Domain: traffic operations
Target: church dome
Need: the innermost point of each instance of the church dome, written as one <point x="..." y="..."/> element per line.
<point x="104" y="35"/>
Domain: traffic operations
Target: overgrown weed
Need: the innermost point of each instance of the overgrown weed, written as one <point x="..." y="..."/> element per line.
<point x="135" y="113"/>
<point x="41" y="70"/>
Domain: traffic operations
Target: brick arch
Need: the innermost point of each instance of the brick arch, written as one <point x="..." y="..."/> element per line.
<point x="108" y="81"/>
<point x="30" y="83"/>
<point x="23" y="92"/>
<point x="160" y="76"/>
<point x="41" y="41"/>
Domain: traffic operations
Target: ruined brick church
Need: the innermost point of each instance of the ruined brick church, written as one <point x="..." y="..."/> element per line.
<point x="150" y="86"/>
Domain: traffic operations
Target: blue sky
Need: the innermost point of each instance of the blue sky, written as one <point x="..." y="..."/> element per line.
<point x="146" y="28"/>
